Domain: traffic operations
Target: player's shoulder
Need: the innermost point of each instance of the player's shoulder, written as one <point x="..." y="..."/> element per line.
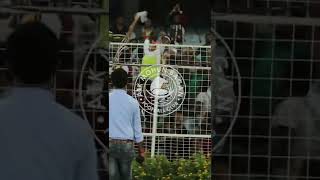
<point x="290" y="106"/>
<point x="202" y="94"/>
<point x="293" y="102"/>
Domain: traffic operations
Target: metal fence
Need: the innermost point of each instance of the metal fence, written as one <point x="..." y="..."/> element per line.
<point x="276" y="46"/>
<point x="178" y="125"/>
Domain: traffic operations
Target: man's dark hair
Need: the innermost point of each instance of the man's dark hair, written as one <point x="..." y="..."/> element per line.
<point x="32" y="53"/>
<point x="119" y="78"/>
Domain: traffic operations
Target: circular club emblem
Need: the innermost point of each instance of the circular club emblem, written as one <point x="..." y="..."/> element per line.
<point x="159" y="90"/>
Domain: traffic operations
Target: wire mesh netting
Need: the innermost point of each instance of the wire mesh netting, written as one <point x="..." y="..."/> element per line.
<point x="276" y="46"/>
<point x="175" y="95"/>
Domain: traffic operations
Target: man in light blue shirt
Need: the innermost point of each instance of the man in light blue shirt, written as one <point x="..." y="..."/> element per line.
<point x="40" y="139"/>
<point x="124" y="128"/>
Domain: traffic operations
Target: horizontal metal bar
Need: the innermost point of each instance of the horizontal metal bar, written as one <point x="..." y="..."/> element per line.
<point x="260" y="19"/>
<point x="178" y="135"/>
<point x="164" y="45"/>
<point x="163" y="65"/>
<point x="28" y="9"/>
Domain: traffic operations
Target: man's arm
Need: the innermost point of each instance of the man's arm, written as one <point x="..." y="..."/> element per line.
<point x="141" y="149"/>
<point x="138" y="136"/>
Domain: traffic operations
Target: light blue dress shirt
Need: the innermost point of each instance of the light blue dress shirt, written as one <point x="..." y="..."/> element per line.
<point x="42" y="140"/>
<point x="124" y="117"/>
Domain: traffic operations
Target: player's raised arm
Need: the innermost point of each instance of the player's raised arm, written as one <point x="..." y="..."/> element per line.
<point x="133" y="25"/>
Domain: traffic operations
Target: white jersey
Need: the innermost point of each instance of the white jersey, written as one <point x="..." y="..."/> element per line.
<point x="302" y="115"/>
<point x="157" y="53"/>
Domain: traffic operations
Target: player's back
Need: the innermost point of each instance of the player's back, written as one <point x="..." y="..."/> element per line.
<point x="40" y="139"/>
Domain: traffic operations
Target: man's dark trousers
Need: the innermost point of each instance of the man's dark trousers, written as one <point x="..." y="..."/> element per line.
<point x="121" y="156"/>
